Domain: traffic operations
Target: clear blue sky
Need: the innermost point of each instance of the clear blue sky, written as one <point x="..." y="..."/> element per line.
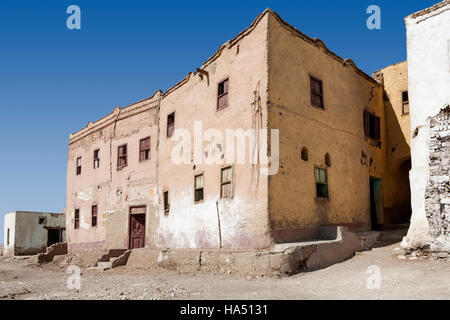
<point x="54" y="80"/>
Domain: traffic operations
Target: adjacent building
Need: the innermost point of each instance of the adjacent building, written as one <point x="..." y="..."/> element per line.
<point x="428" y="45"/>
<point x="28" y="233"/>
<point x="325" y="144"/>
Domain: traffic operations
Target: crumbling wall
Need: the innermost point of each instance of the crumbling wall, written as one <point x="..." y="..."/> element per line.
<point x="437" y="192"/>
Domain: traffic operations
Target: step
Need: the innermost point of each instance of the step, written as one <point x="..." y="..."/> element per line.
<point x="104" y="265"/>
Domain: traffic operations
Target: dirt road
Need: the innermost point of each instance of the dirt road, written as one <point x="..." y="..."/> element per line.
<point x="399" y="279"/>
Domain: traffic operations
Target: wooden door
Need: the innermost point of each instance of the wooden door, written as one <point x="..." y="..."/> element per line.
<point x="137" y="230"/>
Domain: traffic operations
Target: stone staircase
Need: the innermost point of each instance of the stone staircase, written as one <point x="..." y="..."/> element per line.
<point x="114" y="258"/>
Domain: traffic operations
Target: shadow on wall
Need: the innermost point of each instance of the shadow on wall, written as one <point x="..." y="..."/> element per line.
<point x="397" y="194"/>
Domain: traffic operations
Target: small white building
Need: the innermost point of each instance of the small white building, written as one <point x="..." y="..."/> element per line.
<point x="28" y="233"/>
<point x="428" y="45"/>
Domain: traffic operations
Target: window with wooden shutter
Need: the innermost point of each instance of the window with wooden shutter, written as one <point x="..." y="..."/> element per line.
<point x="96" y="159"/>
<point x="316" y="92"/>
<point x="122" y="156"/>
<point x="94" y="216"/>
<point x="321" y="182"/>
<point x="226" y="185"/>
<point x="222" y="94"/>
<point x="366" y="116"/>
<point x="77" y="219"/>
<point x="405" y="103"/>
<point x="144" y="149"/>
<point x="372" y="125"/>
<point x="166" y="202"/>
<point x="377" y="133"/>
<point x="198" y="187"/>
<point x="78" y="165"/>
<point x="170" y="124"/>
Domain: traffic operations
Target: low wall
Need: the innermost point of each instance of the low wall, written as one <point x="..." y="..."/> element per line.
<point x="281" y="260"/>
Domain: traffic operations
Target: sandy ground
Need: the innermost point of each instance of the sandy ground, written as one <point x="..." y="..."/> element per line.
<point x="399" y="279"/>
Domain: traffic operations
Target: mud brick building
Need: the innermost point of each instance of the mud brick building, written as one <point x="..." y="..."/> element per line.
<point x="341" y="156"/>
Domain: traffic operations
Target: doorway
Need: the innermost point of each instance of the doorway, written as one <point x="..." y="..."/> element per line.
<point x="54" y="236"/>
<point x="376" y="202"/>
<point x="137" y="227"/>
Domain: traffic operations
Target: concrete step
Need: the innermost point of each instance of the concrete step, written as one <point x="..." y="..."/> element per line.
<point x="104" y="265"/>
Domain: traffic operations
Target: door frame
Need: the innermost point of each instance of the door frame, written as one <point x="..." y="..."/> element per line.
<point x="376" y="202"/>
<point x="130" y="214"/>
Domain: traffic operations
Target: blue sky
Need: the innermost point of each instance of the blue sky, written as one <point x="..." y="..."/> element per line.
<point x="54" y="80"/>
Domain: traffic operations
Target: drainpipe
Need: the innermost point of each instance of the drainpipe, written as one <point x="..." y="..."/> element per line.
<point x="218" y="225"/>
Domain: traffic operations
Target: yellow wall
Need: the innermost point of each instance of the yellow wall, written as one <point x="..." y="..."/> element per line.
<point x="295" y="212"/>
<point x="397" y="207"/>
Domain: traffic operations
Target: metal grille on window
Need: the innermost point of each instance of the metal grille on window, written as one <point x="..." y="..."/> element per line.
<point x="226" y="185"/>
<point x="199" y="187"/>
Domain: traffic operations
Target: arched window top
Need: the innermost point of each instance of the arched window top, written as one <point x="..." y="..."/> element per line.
<point x="327" y="160"/>
<point x="304" y="154"/>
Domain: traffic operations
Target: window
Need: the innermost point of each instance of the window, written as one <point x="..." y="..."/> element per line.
<point x="170" y="124"/>
<point x="304" y="154"/>
<point x="78" y="165"/>
<point x="166" y="202"/>
<point x="198" y="186"/>
<point x="122" y="156"/>
<point x="96" y="159"/>
<point x="7" y="237"/>
<point x="321" y="182"/>
<point x="327" y="160"/>
<point x="94" y="216"/>
<point x="77" y="219"/>
<point x="316" y="92"/>
<point x="41" y="220"/>
<point x="222" y="95"/>
<point x="144" y="149"/>
<point x="225" y="183"/>
<point x="371" y="125"/>
<point x="405" y="103"/>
